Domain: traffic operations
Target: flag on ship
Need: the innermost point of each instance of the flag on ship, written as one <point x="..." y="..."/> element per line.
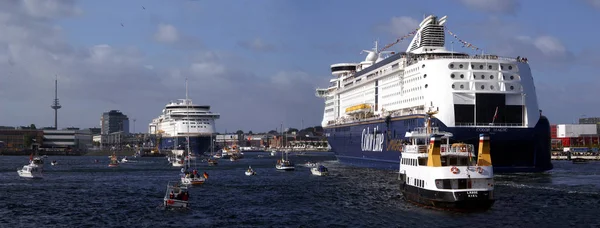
<point x="495" y="114"/>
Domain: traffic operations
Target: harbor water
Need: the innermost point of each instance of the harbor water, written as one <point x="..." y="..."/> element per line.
<point x="80" y="193"/>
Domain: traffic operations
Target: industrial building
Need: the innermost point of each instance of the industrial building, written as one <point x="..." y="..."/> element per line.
<point x="574" y="135"/>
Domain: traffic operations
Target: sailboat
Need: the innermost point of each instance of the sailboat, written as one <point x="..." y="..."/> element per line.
<point x="284" y="163"/>
<point x="113" y="161"/>
<point x="212" y="161"/>
<point x="187" y="177"/>
<point x="177" y="159"/>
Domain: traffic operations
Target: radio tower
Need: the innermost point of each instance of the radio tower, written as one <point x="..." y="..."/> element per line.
<point x="55" y="104"/>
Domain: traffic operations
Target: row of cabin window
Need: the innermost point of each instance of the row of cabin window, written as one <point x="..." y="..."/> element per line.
<point x="451" y="66"/>
<point x="409" y="161"/>
<point x="446" y="161"/>
<point x="416" y="182"/>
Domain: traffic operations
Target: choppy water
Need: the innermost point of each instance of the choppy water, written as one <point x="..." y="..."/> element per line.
<point x="80" y="193"/>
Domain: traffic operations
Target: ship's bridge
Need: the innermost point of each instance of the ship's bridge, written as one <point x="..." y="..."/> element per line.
<point x="343" y="68"/>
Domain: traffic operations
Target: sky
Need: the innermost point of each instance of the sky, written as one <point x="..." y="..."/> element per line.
<point x="258" y="63"/>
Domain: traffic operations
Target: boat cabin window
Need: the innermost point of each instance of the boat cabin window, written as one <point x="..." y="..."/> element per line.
<point x="453" y="183"/>
<point x="423" y="161"/>
<point x="456" y="161"/>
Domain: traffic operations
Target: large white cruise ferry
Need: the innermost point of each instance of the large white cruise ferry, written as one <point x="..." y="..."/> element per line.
<point x="181" y="119"/>
<point x="369" y="106"/>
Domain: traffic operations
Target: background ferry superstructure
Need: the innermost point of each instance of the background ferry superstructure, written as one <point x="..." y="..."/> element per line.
<point x="180" y="119"/>
<point x="370" y="105"/>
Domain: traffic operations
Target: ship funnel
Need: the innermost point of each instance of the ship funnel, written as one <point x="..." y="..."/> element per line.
<point x="430" y="34"/>
<point x="484" y="158"/>
<point x="434" y="152"/>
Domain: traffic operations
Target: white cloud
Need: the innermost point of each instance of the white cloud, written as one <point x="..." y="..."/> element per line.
<point x="50" y="8"/>
<point x="550" y="45"/>
<point x="594" y="3"/>
<point x="257" y="44"/>
<point x="166" y="33"/>
<point x="400" y="26"/>
<point x="101" y="77"/>
<point x="493" y="6"/>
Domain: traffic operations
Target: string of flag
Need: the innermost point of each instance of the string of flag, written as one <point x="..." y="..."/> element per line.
<point x="399" y="40"/>
<point x="465" y="43"/>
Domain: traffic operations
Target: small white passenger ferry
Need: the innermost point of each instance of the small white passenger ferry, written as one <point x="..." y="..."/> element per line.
<point x="439" y="174"/>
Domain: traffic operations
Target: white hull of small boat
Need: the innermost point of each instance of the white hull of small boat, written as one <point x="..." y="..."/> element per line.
<point x="193" y="181"/>
<point x="316" y="172"/>
<point x="30" y="172"/>
<point x="248" y="173"/>
<point x="177" y="163"/>
<point x="282" y="167"/>
<point x="54" y="163"/>
<point x="273" y="153"/>
<point x="174" y="203"/>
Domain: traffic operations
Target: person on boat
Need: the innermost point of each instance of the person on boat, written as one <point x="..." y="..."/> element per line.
<point x="185" y="196"/>
<point x="195" y="172"/>
<point x="171" y="195"/>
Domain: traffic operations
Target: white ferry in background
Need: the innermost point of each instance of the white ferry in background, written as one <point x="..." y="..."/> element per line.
<point x="369" y="106"/>
<point x="183" y="118"/>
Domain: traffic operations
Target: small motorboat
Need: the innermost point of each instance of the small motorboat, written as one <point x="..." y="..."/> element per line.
<point x="176" y="196"/>
<point x="30" y="171"/>
<point x="579" y="161"/>
<point x="36" y="161"/>
<point x="285" y="165"/>
<point x="273" y="153"/>
<point x="54" y="163"/>
<point x="250" y="171"/>
<point x="124" y="160"/>
<point x="319" y="171"/>
<point x="193" y="178"/>
<point x="212" y="162"/>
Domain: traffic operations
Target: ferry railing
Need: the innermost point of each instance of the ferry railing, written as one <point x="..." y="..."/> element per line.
<point x="423" y="130"/>
<point x="350" y="120"/>
<point x="489" y="125"/>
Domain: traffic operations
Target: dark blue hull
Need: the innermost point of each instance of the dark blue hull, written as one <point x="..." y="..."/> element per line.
<point x="378" y="144"/>
<point x="198" y="144"/>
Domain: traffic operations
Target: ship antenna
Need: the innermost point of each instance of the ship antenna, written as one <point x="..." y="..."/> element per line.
<point x="186" y="90"/>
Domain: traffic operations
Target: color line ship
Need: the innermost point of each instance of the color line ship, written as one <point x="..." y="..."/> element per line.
<point x="369" y="106"/>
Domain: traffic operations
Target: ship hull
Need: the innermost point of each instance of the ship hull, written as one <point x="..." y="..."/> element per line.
<point x="454" y="201"/>
<point x="198" y="144"/>
<point x="378" y="144"/>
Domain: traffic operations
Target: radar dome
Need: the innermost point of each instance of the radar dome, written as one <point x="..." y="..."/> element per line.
<point x="371" y="57"/>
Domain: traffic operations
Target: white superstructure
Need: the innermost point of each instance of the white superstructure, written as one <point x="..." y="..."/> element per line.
<point x="399" y="84"/>
<point x="183" y="118"/>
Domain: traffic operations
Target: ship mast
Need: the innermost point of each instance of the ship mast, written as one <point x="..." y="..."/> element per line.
<point x="187" y="138"/>
<point x="430" y="114"/>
